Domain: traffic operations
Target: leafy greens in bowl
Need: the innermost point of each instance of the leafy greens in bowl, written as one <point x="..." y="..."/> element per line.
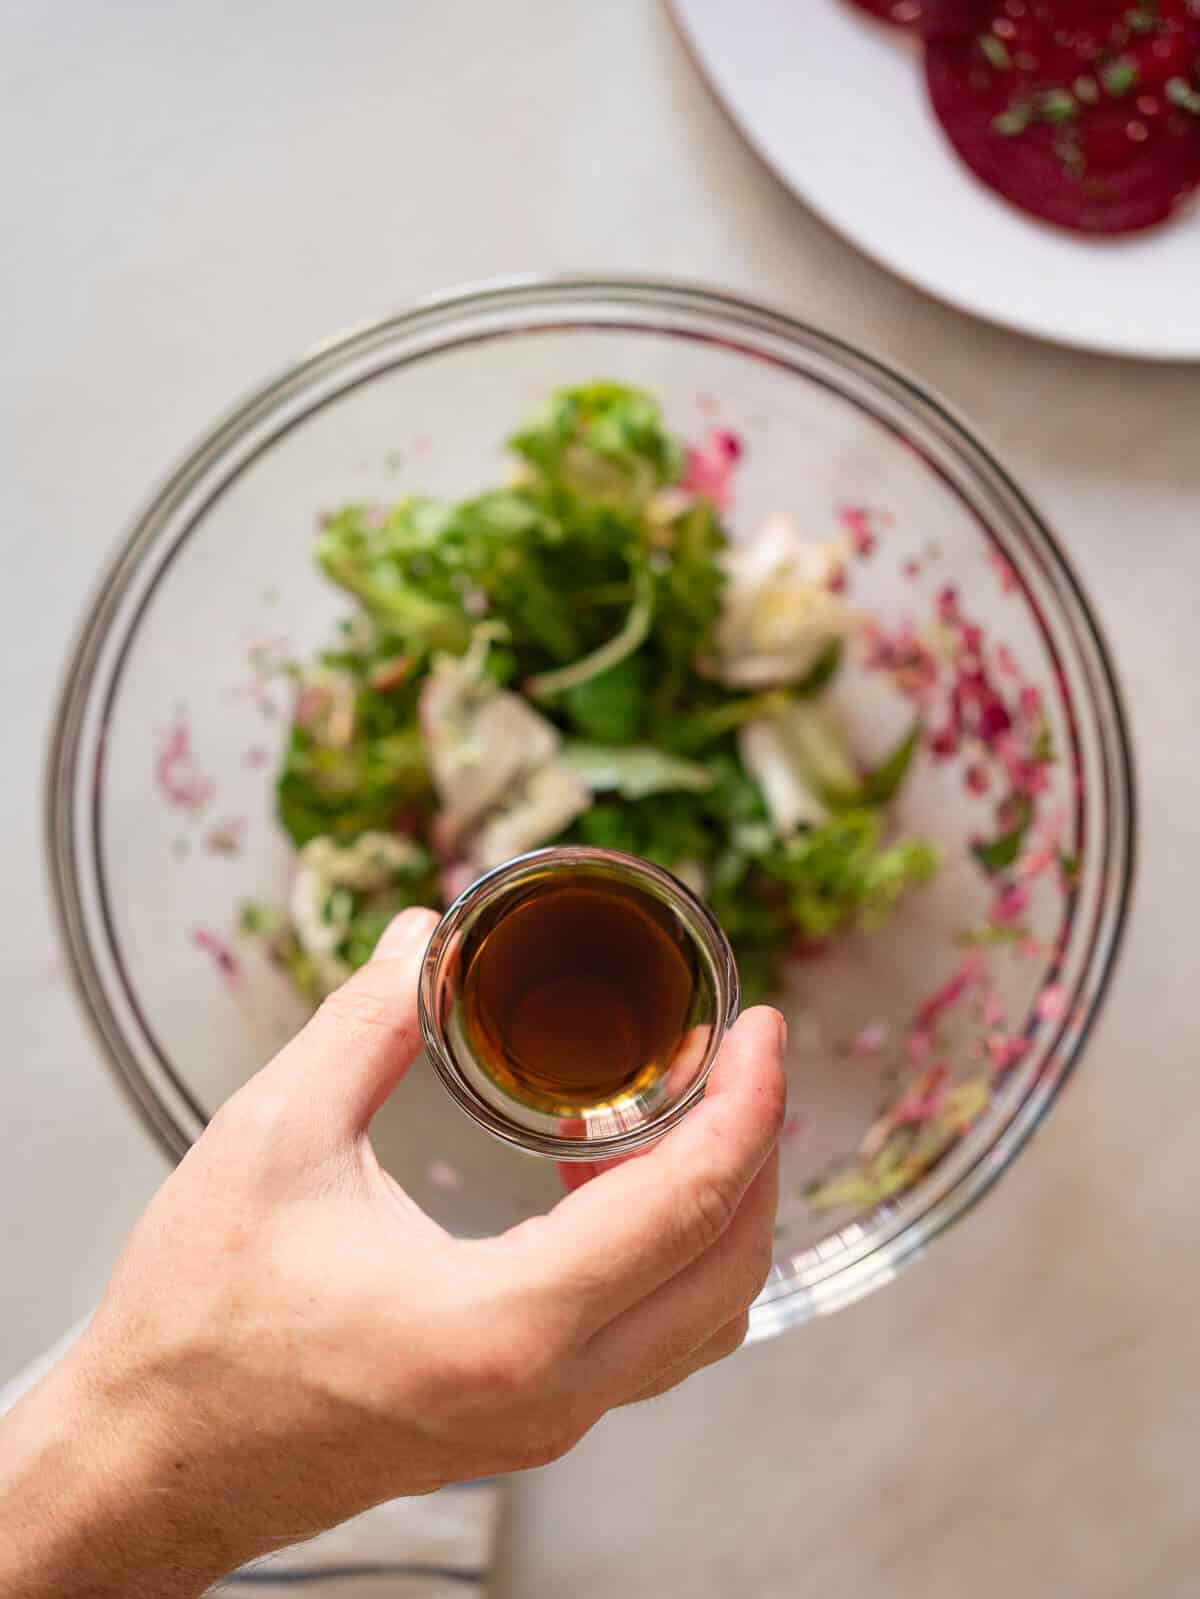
<point x="582" y="655"/>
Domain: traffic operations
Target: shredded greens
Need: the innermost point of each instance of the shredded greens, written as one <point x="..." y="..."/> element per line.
<point x="543" y="662"/>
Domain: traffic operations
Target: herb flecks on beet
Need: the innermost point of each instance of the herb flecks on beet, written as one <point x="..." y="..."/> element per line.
<point x="1088" y="119"/>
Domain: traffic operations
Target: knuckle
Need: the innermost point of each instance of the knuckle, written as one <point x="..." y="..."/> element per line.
<point x="552" y="1347"/>
<point x="759" y="1271"/>
<point x="713" y="1203"/>
<point x="500" y="1375"/>
<point x="543" y="1447"/>
<point x="733" y="1336"/>
<point x="224" y="1124"/>
<point x="257" y="1115"/>
<point x="359" y="1005"/>
<point x="504" y="1372"/>
<point x="548" y="1440"/>
<point x="766" y="1261"/>
<point x="748" y="1282"/>
<point x="260" y="1144"/>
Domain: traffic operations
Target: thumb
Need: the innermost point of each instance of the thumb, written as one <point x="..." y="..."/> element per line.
<point x="366" y="1035"/>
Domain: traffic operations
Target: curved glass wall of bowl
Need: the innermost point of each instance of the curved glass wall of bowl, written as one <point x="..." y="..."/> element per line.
<point x="159" y="798"/>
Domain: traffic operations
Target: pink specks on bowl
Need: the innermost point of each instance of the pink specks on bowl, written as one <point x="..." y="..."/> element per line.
<point x="1052" y="1003"/>
<point x="859" y="526"/>
<point x="1006" y="1051"/>
<point x="871" y="1040"/>
<point x="921" y="1101"/>
<point x="970" y="971"/>
<point x="1010" y="904"/>
<point x="180" y="781"/>
<point x="223" y="957"/>
<point x="709" y="467"/>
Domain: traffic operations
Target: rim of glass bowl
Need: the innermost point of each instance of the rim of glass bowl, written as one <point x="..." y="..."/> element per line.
<point x="854" y="1258"/>
<point x="702" y="927"/>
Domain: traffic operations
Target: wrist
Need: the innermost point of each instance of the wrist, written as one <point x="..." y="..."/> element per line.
<point x="92" y="1502"/>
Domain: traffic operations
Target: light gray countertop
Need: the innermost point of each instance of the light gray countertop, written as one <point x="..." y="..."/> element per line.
<point x="192" y="196"/>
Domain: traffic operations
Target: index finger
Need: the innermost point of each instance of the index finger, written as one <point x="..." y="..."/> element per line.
<point x="612" y="1242"/>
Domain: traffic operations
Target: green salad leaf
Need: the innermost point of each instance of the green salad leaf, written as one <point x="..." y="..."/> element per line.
<point x="612" y="653"/>
<point x="610" y="706"/>
<point x="346" y="792"/>
<point x="881" y="786"/>
<point x="393" y="567"/>
<point x="596" y="580"/>
<point x="635" y="770"/>
<point x="1002" y="851"/>
<point x="602" y="442"/>
<point x="843" y="871"/>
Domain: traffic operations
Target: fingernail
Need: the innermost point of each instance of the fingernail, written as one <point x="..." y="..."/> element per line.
<point x="783" y="1031"/>
<point x="405" y="934"/>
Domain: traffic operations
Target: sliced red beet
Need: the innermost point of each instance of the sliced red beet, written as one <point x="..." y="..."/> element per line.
<point x="932" y="19"/>
<point x="1063" y="107"/>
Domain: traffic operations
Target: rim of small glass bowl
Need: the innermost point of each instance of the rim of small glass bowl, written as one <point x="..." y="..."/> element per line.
<point x="702" y="927"/>
<point x="821" y="1279"/>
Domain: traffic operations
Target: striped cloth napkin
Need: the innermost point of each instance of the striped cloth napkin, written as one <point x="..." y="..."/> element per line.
<point x="436" y="1547"/>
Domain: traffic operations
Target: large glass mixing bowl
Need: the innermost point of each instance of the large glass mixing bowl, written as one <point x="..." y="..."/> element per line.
<point x="215" y="581"/>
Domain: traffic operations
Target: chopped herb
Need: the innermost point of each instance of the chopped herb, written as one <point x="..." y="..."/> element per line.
<point x="996" y="51"/>
<point x="258" y="919"/>
<point x="1057" y="105"/>
<point x="882" y="785"/>
<point x="1181" y="94"/>
<point x="1120" y="76"/>
<point x="1003" y="851"/>
<point x="1070" y="866"/>
<point x="1069" y="150"/>
<point x="1015" y="120"/>
<point x="1086" y="91"/>
<point x="991" y="936"/>
<point x="1143" y="18"/>
<point x="1042" y="748"/>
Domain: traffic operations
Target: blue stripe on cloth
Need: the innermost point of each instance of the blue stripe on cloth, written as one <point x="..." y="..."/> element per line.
<point x="286" y="1576"/>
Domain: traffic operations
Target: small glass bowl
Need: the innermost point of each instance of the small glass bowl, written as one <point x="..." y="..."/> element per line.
<point x="648" y="1107"/>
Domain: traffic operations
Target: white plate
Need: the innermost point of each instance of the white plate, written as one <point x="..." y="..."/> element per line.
<point x="836" y="104"/>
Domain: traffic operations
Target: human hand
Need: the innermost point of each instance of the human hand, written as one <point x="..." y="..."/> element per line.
<point x="288" y="1339"/>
